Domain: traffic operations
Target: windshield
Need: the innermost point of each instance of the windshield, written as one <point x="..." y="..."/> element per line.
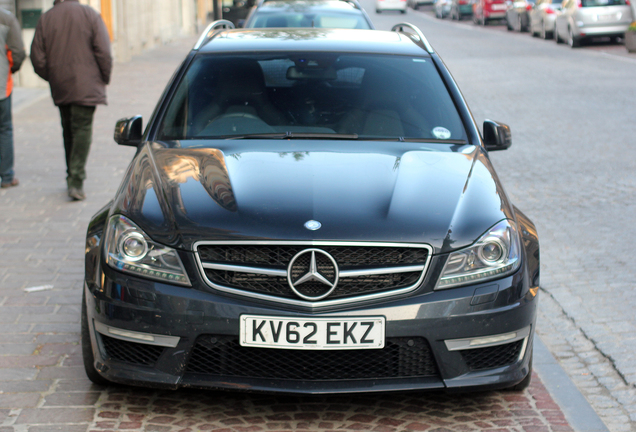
<point x="348" y="95"/>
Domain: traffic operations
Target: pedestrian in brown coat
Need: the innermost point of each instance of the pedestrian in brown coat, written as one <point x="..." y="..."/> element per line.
<point x="71" y="50"/>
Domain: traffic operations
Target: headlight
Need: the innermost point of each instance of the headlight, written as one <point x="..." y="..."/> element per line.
<point x="130" y="250"/>
<point x="495" y="254"/>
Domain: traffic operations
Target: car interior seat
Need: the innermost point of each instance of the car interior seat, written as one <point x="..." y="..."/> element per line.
<point x="239" y="90"/>
<point x="384" y="109"/>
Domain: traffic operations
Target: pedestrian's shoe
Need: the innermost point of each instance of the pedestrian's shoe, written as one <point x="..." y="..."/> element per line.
<point x="76" y="193"/>
<point x="12" y="183"/>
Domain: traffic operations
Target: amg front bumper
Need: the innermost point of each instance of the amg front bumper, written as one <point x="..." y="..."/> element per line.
<point x="158" y="335"/>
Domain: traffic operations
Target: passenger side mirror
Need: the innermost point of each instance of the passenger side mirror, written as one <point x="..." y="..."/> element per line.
<point x="497" y="136"/>
<point x="128" y="131"/>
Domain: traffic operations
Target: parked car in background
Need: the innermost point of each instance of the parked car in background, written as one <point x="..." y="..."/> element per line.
<point x="489" y="10"/>
<point x="311" y="211"/>
<point x="390" y="5"/>
<point x="461" y="9"/>
<point x="543" y="18"/>
<point x="442" y="8"/>
<point x="415" y="4"/>
<point x="584" y="19"/>
<point x="518" y="15"/>
<point x="308" y="13"/>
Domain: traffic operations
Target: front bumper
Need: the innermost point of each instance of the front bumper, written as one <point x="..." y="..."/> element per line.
<point x="158" y="335"/>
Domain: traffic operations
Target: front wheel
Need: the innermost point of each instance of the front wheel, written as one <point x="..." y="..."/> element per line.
<point x="87" y="348"/>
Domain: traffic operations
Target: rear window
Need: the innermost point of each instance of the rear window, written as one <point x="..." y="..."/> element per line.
<point x="374" y="96"/>
<point x="593" y="3"/>
<point x="309" y="19"/>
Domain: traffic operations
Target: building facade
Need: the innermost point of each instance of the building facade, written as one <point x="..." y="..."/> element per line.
<point x="133" y="25"/>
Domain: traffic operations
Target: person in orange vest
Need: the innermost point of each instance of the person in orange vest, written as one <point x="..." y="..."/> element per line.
<point x="11" y="56"/>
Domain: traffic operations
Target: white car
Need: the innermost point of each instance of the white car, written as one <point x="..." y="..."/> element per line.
<point x="390" y="5"/>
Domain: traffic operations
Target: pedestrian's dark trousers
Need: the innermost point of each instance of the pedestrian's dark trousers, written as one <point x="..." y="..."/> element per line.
<point x="77" y="127"/>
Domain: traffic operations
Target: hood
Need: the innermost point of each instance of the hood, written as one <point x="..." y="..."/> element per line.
<point x="444" y="196"/>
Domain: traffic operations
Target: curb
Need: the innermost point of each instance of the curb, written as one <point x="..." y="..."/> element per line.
<point x="573" y="404"/>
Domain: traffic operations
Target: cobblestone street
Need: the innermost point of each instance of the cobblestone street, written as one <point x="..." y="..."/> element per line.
<point x="563" y="172"/>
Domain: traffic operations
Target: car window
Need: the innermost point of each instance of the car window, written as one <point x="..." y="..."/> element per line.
<point x="373" y="96"/>
<point x="593" y="3"/>
<point x="309" y="19"/>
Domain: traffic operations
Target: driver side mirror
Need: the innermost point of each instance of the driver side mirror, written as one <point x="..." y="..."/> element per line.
<point x="128" y="131"/>
<point x="497" y="136"/>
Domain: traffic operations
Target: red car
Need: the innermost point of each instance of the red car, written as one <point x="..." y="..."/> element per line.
<point x="488" y="10"/>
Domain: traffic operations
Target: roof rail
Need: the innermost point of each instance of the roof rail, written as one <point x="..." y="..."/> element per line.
<point x="211" y="30"/>
<point x="420" y="40"/>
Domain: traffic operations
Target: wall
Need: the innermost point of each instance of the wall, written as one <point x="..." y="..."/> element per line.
<point x="134" y="25"/>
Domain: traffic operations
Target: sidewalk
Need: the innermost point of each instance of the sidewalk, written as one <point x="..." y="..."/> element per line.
<point x="42" y="382"/>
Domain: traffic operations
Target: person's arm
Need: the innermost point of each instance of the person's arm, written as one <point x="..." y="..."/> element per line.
<point x="38" y="52"/>
<point x="15" y="45"/>
<point x="101" y="49"/>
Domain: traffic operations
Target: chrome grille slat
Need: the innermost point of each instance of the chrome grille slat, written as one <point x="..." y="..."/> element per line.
<point x="259" y="269"/>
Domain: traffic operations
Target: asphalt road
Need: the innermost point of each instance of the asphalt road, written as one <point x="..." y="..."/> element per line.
<point x="571" y="169"/>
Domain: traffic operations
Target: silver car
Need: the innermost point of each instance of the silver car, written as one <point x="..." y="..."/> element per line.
<point x="581" y="19"/>
<point x="543" y="17"/>
<point x="442" y="8"/>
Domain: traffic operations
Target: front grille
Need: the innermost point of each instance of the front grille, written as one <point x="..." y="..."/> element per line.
<point x="278" y="286"/>
<point x="400" y="358"/>
<point x="361" y="258"/>
<point x="492" y="357"/>
<point x="281" y="255"/>
<point x="131" y="352"/>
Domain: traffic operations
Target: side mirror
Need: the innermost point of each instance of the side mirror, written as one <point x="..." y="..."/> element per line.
<point x="497" y="136"/>
<point x="128" y="131"/>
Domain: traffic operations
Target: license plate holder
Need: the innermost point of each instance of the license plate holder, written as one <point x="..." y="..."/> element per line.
<point x="306" y="333"/>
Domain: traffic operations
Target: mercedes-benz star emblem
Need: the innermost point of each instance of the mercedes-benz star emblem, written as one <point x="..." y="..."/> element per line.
<point x="312" y="225"/>
<point x="312" y="274"/>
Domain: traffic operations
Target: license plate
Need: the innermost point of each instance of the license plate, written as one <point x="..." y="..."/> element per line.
<point x="499" y="7"/>
<point x="312" y="333"/>
<point x="607" y="17"/>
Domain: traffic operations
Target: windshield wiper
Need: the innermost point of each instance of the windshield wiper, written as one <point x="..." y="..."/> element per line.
<point x="291" y="135"/>
<point x="414" y="140"/>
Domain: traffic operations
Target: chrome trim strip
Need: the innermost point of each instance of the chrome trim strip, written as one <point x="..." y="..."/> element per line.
<point x="464" y="344"/>
<point x="283" y="273"/>
<point x="137" y="337"/>
<point x="380" y="271"/>
<point x="245" y="269"/>
<point x="303" y="303"/>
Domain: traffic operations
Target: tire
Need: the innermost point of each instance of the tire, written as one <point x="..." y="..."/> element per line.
<point x="572" y="41"/>
<point x="87" y="348"/>
<point x="378" y="11"/>
<point x="403" y="12"/>
<point x="557" y="38"/>
<point x="525" y="382"/>
<point x="508" y="26"/>
<point x="545" y="35"/>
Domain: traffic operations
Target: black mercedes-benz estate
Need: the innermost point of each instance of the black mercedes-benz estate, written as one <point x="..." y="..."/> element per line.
<point x="311" y="211"/>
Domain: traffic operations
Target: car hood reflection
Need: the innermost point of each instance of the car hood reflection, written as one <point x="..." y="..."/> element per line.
<point x="443" y="198"/>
